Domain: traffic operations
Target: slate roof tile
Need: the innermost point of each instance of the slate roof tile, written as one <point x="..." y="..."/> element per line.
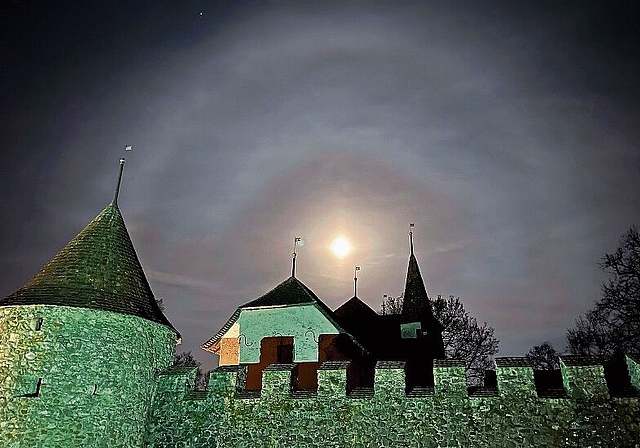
<point x="98" y="269"/>
<point x="290" y="292"/>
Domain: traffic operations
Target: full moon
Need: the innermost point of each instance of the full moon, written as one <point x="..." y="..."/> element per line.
<point x="340" y="247"/>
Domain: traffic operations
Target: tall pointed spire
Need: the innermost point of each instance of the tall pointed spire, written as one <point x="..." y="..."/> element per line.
<point x="355" y="281"/>
<point x="415" y="299"/>
<point x="416" y="306"/>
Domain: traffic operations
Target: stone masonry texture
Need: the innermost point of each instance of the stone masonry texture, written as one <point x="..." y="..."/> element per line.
<point x="513" y="416"/>
<point x="105" y="382"/>
<point x="97" y="371"/>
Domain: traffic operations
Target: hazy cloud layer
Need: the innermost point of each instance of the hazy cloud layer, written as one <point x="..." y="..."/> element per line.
<point x="508" y="134"/>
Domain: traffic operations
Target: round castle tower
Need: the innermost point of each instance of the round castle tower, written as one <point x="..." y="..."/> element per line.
<point x="80" y="346"/>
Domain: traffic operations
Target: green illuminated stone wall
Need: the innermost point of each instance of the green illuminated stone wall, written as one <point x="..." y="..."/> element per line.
<point x="511" y="416"/>
<point x="98" y="371"/>
<point x="105" y="383"/>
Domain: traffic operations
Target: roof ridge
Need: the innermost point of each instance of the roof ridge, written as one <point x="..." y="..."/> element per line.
<point x="281" y="295"/>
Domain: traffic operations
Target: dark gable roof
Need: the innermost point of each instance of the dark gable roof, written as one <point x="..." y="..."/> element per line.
<point x="361" y="321"/>
<point x="290" y="292"/>
<point x="216" y="337"/>
<point x="355" y="307"/>
<point x="293" y="292"/>
<point x="98" y="269"/>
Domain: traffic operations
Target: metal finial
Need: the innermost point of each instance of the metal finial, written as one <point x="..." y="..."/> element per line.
<point x="115" y="198"/>
<point x="296" y="241"/>
<point x="355" y="281"/>
<point x="411" y="226"/>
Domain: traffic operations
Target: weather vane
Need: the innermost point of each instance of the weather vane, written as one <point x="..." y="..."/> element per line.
<point x="297" y="242"/>
<point x="355" y="281"/>
<point x="115" y="198"/>
<point x="411" y="226"/>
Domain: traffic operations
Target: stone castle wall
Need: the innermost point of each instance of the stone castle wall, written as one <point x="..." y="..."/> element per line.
<point x="97" y="374"/>
<point x="102" y="384"/>
<point x="583" y="413"/>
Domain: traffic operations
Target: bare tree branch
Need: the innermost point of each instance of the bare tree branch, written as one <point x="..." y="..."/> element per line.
<point x="613" y="325"/>
<point x="187" y="359"/>
<point x="544" y="357"/>
<point x="463" y="337"/>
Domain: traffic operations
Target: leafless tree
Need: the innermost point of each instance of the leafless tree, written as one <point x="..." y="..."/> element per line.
<point x="391" y="305"/>
<point x="612" y="326"/>
<point x="187" y="359"/>
<point x="544" y="357"/>
<point x="464" y="338"/>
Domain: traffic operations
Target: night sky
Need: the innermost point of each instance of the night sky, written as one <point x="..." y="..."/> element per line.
<point x="509" y="134"/>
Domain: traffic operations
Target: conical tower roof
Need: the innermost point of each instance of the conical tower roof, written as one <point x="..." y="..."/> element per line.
<point x="415" y="298"/>
<point x="416" y="306"/>
<point x="98" y="269"/>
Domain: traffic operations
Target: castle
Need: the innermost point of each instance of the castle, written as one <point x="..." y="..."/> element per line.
<point x="86" y="354"/>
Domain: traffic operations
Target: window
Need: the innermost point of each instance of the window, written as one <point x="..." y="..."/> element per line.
<point x="285" y="352"/>
<point x="410" y="330"/>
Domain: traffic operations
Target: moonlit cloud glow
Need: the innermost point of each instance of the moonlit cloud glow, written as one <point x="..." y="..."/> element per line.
<point x="506" y="131"/>
<point x="340" y="247"/>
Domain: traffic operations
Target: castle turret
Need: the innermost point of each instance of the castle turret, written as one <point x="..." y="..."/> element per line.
<point x="80" y="345"/>
<point x="415" y="299"/>
<point x="420" y="331"/>
<point x="417" y="314"/>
